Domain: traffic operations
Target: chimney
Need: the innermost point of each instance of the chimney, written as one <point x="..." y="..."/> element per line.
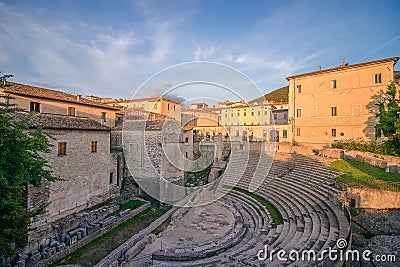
<point x="78" y="97"/>
<point x="319" y="68"/>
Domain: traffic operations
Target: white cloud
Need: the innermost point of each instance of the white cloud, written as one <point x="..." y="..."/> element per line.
<point x="162" y="41"/>
<point x="92" y="59"/>
<point x="204" y="53"/>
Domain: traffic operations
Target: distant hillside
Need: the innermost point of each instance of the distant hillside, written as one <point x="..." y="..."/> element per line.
<point x="278" y="95"/>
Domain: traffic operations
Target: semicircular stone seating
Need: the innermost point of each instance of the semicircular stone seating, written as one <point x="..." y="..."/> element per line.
<point x="299" y="187"/>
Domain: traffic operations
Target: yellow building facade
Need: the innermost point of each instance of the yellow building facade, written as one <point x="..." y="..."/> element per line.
<point x="159" y="105"/>
<point x="338" y="103"/>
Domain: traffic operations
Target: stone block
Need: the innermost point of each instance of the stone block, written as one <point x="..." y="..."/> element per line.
<point x="64" y="238"/>
<point x="393" y="169"/>
<point x="92" y="229"/>
<point x="52" y="251"/>
<point x="60" y="247"/>
<point x="83" y="232"/>
<point x="124" y="213"/>
<point x="44" y="254"/>
<point x="43" y="246"/>
<point x="53" y="243"/>
<point x="34" y="259"/>
<point x="20" y="263"/>
<point x="74" y="239"/>
<point x="68" y="240"/>
<point x="74" y="232"/>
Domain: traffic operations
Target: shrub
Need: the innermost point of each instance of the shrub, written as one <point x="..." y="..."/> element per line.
<point x="386" y="148"/>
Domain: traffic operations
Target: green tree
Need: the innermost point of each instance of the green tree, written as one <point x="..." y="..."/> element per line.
<point x="389" y="121"/>
<point x="21" y="163"/>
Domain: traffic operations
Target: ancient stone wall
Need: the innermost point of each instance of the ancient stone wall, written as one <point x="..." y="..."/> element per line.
<point x="85" y="178"/>
<point x="388" y="163"/>
<point x="42" y="234"/>
<point x="368" y="198"/>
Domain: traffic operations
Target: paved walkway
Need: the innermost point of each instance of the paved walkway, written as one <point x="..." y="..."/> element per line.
<point x="199" y="226"/>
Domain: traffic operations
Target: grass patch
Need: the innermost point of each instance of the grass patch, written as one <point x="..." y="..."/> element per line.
<point x="162" y="226"/>
<point x="273" y="211"/>
<point x="131" y="204"/>
<point x="96" y="250"/>
<point x="357" y="173"/>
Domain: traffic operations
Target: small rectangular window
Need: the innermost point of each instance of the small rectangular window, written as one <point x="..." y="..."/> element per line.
<point x="94" y="146"/>
<point x="259" y="113"/>
<point x="266" y="112"/>
<point x="298" y="131"/>
<point x="378" y="78"/>
<point x="298" y="88"/>
<point x="62" y="148"/>
<point x="34" y="107"/>
<point x="333" y="84"/>
<point x="284" y="133"/>
<point x="111" y="177"/>
<point x="298" y="113"/>
<point x="103" y="117"/>
<point x="71" y="111"/>
<point x="168" y="106"/>
<point x="186" y="139"/>
<point x="275" y="116"/>
<point x="333" y="111"/>
<point x="333" y="132"/>
<point x="244" y="114"/>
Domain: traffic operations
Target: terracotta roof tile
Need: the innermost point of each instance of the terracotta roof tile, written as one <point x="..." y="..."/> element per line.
<point x="61" y="122"/>
<point x="344" y="67"/>
<point x="28" y="90"/>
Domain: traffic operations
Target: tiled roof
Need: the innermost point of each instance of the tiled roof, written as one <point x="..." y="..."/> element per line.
<point x="345" y="67"/>
<point x="62" y="122"/>
<point x="28" y="90"/>
<point x="148" y="99"/>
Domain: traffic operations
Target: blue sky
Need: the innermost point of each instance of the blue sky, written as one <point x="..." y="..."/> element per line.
<point x="109" y="48"/>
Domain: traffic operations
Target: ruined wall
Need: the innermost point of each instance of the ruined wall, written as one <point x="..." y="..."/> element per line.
<point x="153" y="155"/>
<point x="368" y="198"/>
<point x="122" y="174"/>
<point x="388" y="163"/>
<point x="42" y="234"/>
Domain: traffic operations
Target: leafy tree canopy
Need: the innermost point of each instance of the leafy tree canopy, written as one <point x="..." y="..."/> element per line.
<point x="21" y="163"/>
<point x="389" y="120"/>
